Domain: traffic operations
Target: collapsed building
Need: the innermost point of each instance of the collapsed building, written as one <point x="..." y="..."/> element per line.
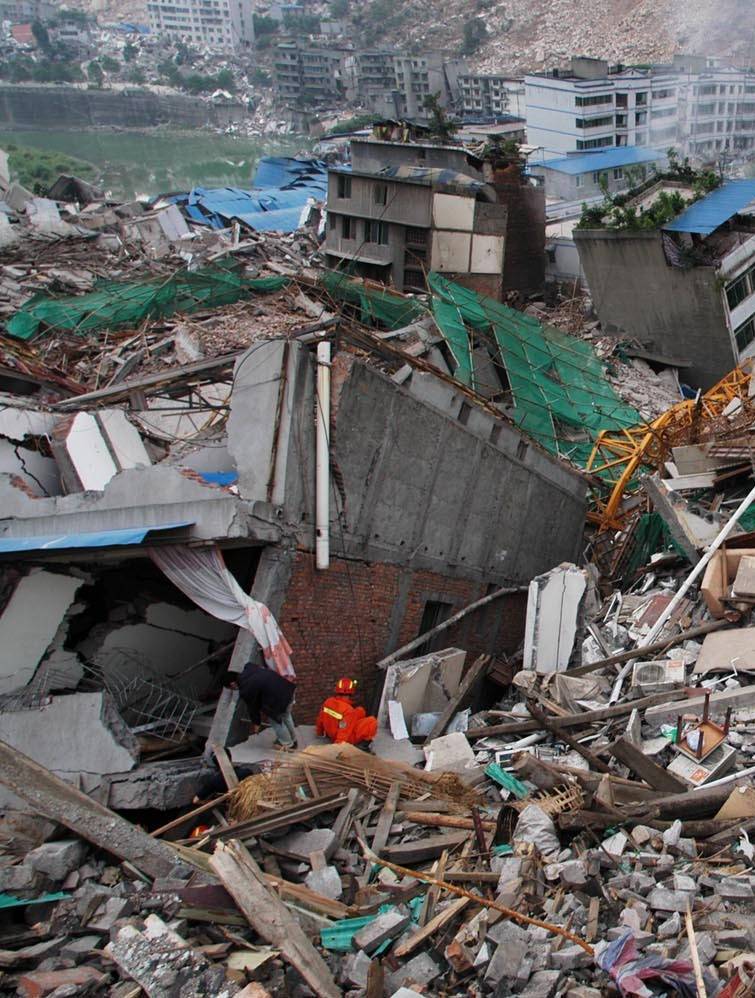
<point x="681" y="288"/>
<point x="205" y="447"/>
<point x="408" y="205"/>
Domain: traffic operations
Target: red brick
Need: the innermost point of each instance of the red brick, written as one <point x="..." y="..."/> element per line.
<point x="338" y="622"/>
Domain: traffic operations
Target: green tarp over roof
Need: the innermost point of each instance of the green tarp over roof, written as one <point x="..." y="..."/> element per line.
<point x="389" y="309"/>
<point x="115" y="304"/>
<point x="561" y="394"/>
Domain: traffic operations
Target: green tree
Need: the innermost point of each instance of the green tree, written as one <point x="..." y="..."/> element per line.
<point x="339" y="8"/>
<point x="109" y="64"/>
<point x="264" y="25"/>
<point x="136" y="75"/>
<point x="438" y="122"/>
<point x="130" y="52"/>
<point x="95" y="74"/>
<point x="225" y="80"/>
<point x="474" y="35"/>
<point x="41" y="36"/>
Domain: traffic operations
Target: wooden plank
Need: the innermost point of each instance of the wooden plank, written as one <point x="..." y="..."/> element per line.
<point x="580" y="720"/>
<point x="429" y="848"/>
<point x="431" y="898"/>
<point x="226" y="767"/>
<point x="281" y="818"/>
<point x="189" y="816"/>
<point x="306" y="898"/>
<point x="744" y="697"/>
<point x="593" y="913"/>
<point x="57" y="800"/>
<point x="343" y="821"/>
<point x="416" y="939"/>
<point x="375" y="980"/>
<point x="476" y="672"/>
<point x="653" y="774"/>
<point x="269" y="917"/>
<point x="385" y="820"/>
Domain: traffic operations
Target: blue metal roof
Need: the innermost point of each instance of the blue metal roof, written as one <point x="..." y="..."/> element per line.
<point x="95" y="539"/>
<point x="283" y="187"/>
<point x="718" y="207"/>
<point x="605" y="159"/>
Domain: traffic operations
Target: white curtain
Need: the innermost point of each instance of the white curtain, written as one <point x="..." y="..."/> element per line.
<point x="201" y="574"/>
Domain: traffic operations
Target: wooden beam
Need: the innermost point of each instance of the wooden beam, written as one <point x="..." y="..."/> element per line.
<point x="385" y="820"/>
<point x="580" y="720"/>
<point x="428" y="848"/>
<point x="433" y="632"/>
<point x="269" y="917"/>
<point x="226" y="767"/>
<point x="57" y="800"/>
<point x="648" y="650"/>
<point x="549" y="724"/>
<point x="654" y="775"/>
<point x="442" y="918"/>
<point x="474" y="674"/>
<point x="189" y="816"/>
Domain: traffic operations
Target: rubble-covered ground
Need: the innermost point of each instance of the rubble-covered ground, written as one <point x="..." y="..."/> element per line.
<point x="573" y="819"/>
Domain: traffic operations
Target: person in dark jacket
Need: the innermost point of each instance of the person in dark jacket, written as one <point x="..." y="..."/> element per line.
<point x="265" y="692"/>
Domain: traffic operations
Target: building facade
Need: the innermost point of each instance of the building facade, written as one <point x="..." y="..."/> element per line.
<point x="570" y="178"/>
<point x="387" y="82"/>
<point x="483" y="95"/>
<point x="686" y="292"/>
<point x="700" y="109"/>
<point x="223" y="25"/>
<point x="397" y="225"/>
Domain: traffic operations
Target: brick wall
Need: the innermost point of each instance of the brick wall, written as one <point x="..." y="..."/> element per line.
<point x="341" y="621"/>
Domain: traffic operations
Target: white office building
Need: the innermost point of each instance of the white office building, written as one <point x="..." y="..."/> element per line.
<point x="699" y="109"/>
<point x="224" y="25"/>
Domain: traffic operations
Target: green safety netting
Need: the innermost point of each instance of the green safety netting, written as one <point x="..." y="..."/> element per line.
<point x="114" y="304"/>
<point x="376" y="307"/>
<point x="560" y="392"/>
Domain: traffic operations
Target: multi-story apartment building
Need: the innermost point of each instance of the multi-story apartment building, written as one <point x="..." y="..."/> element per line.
<point x="223" y="25"/>
<point x="699" y="109"/>
<point x="388" y="82"/>
<point x="23" y="11"/>
<point x="589" y="107"/>
<point x="405" y="208"/>
<point x="309" y="74"/>
<point x="491" y="95"/>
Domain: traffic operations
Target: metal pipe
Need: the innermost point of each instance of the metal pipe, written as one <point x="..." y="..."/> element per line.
<point x="322" y="458"/>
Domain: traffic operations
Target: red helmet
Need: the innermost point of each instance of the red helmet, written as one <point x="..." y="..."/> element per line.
<point x="346" y="686"/>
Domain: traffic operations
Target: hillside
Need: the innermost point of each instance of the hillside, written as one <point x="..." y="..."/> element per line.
<point x="535" y="34"/>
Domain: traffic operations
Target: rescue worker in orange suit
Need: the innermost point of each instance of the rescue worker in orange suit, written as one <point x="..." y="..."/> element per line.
<point x="340" y="721"/>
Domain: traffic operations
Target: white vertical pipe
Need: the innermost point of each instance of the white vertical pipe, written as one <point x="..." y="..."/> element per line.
<point x="322" y="458"/>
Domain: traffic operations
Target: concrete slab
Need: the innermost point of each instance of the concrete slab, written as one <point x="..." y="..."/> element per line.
<point x="422" y="684"/>
<point x="554" y="607"/>
<point x="81" y="733"/>
<point x="259" y="748"/>
<point x="449" y="754"/>
<point x="30" y="623"/>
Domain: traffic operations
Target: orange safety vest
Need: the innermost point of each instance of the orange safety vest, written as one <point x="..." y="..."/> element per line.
<point x="341" y="721"/>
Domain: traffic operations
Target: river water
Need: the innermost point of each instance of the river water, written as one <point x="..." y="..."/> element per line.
<point x="159" y="161"/>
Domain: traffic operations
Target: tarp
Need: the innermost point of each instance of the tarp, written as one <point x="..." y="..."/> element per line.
<point x="707" y="214"/>
<point x="114" y="304"/>
<point x="376" y="307"/>
<point x="560" y="392"/>
<point x="89" y="539"/>
<point x="201" y="574"/>
<point x="282" y="192"/>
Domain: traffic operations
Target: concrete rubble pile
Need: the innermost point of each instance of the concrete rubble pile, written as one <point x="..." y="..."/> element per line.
<point x="567" y="814"/>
